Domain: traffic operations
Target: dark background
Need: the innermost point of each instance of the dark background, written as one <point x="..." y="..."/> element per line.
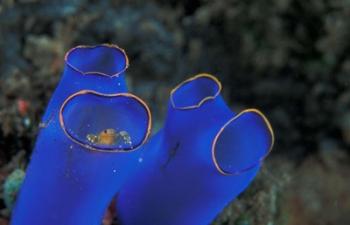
<point x="289" y="58"/>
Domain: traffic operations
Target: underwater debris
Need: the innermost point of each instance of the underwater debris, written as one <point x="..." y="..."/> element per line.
<point x="45" y="123"/>
<point x="22" y="106"/>
<point x="243" y="220"/>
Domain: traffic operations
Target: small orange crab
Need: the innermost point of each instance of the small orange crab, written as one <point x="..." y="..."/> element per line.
<point x="109" y="137"/>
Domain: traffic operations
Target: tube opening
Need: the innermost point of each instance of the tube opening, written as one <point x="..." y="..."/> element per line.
<point x="106" y="60"/>
<point x="242" y="143"/>
<point x="192" y="93"/>
<point x="106" y="122"/>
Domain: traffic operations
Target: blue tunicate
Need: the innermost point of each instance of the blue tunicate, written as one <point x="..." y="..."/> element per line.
<point x="90" y="130"/>
<point x="203" y="157"/>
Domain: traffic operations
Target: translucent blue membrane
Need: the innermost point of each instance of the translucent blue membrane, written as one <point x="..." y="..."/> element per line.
<point x="105" y="59"/>
<point x="194" y="93"/>
<point x="181" y="181"/>
<point x="91" y="114"/>
<point x="243" y="143"/>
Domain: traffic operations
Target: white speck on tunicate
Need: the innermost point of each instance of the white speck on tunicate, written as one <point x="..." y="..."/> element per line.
<point x="71" y="147"/>
<point x="140" y="160"/>
<point x="114" y="171"/>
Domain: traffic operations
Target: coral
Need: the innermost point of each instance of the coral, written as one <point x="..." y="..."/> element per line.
<point x="12" y="186"/>
<point x="292" y="56"/>
<point x="263" y="201"/>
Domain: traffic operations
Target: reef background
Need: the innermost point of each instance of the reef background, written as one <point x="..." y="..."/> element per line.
<point x="289" y="58"/>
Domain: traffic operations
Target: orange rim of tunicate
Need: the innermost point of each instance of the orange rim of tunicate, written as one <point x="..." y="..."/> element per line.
<point x="208" y="98"/>
<point x="260" y="160"/>
<point x="66" y="59"/>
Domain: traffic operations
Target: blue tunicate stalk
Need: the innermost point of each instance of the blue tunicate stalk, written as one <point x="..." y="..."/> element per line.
<point x="204" y="156"/>
<point x="88" y="147"/>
